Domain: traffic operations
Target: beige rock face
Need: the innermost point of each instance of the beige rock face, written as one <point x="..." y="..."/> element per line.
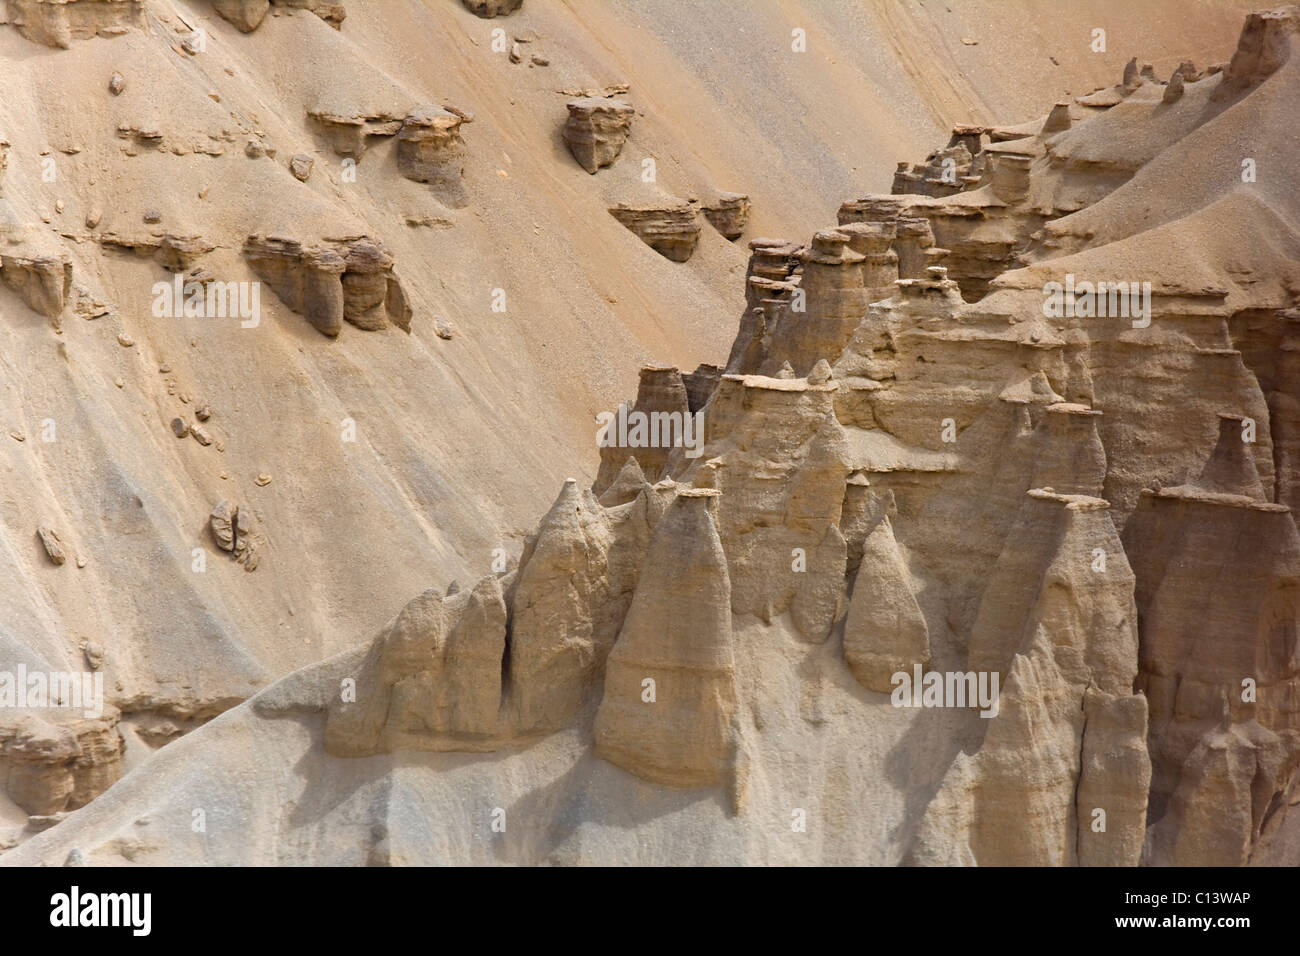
<point x="728" y="214"/>
<point x="669" y="680"/>
<point x="51" y="763"/>
<point x="247" y="15"/>
<point x="648" y="429"/>
<point x="331" y="283"/>
<point x="1063" y="637"/>
<point x="432" y="681"/>
<point x="596" y="130"/>
<point x="670" y="229"/>
<point x="885" y="631"/>
<point x="575" y="583"/>
<point x="430" y="150"/>
<point x="782" y="479"/>
<point x="43" y="281"/>
<point x="834" y="300"/>
<point x="1218" y="584"/>
<point x="1267" y="41"/>
<point x="57" y="23"/>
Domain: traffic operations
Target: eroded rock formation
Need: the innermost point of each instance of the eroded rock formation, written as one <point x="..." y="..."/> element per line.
<point x="670" y="229"/>
<point x="57" y="23"/>
<point x="728" y="214"/>
<point x="51" y="763"/>
<point x="666" y="713"/>
<point x="339" y="280"/>
<point x="247" y="15"/>
<point x="596" y="130"/>
<point x="430" y="150"/>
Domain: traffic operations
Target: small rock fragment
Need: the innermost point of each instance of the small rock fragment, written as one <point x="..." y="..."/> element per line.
<point x="444" y="328"/>
<point x="179" y="428"/>
<point x="116" y="83"/>
<point x="53" y="546"/>
<point x="201" y="435"/>
<point x="221" y="522"/>
<point x="262" y="480"/>
<point x="301" y="167"/>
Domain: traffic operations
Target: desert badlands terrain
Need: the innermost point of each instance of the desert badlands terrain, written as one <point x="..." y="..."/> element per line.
<point x="649" y="432"/>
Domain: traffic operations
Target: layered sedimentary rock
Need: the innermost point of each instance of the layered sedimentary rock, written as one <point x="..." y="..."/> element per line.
<point x="44" y="280"/>
<point x="670" y="229"/>
<point x="700" y="385"/>
<point x="728" y="214"/>
<point x="348" y="134"/>
<point x="350" y="280"/>
<point x="307" y="279"/>
<point x="783" y="475"/>
<point x="1218" y="592"/>
<point x="57" y="23"/>
<point x="1066" y="737"/>
<point x="1269" y="342"/>
<point x="649" y="429"/>
<point x="180" y="253"/>
<point x="818" y="324"/>
<point x="430" y="150"/>
<point x="372" y="293"/>
<point x="596" y="130"/>
<point x="53" y="761"/>
<point x="666" y="714"/>
<point x="772" y="262"/>
<point x="627" y="484"/>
